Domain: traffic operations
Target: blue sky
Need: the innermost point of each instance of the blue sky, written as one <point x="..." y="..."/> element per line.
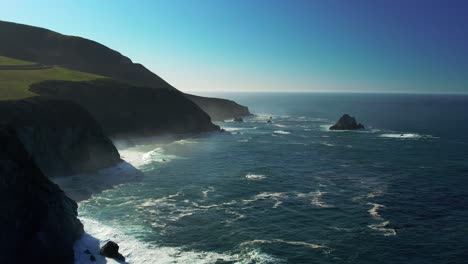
<point x="329" y="45"/>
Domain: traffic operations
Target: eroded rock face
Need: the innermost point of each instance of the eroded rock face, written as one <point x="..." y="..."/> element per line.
<point x="38" y="222"/>
<point x="62" y="137"/>
<point x="347" y="122"/>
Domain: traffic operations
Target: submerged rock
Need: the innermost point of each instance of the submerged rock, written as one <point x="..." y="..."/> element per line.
<point x="347" y="122"/>
<point x="111" y="250"/>
<point x="238" y="119"/>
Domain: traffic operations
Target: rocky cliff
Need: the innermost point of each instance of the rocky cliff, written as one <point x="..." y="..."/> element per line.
<point x="122" y="112"/>
<point x="61" y="137"/>
<point x="38" y="222"/>
<point x="51" y="48"/>
<point x="220" y="109"/>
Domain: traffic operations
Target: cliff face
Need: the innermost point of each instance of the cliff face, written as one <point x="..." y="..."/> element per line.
<point x="122" y="112"/>
<point x="61" y="137"/>
<point x="220" y="109"/>
<point x="51" y="48"/>
<point x="38" y="223"/>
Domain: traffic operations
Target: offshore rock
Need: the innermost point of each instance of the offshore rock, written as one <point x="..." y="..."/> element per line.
<point x="347" y="122"/>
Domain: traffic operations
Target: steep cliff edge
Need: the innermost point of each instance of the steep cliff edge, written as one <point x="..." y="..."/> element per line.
<point x="61" y="136"/>
<point x="122" y="112"/>
<point x="38" y="223"/>
<point x="51" y="48"/>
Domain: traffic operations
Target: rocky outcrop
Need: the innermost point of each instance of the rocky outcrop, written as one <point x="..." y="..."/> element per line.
<point x="51" y="48"/>
<point x="38" y="222"/>
<point x="123" y="112"/>
<point x="238" y="119"/>
<point x="60" y="136"/>
<point x="111" y="250"/>
<point x="347" y="122"/>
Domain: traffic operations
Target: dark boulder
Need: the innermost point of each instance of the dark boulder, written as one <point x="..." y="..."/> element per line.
<point x="238" y="119"/>
<point x="347" y="122"/>
<point x="111" y="250"/>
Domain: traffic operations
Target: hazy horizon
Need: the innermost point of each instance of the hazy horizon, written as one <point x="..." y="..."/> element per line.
<point x="275" y="46"/>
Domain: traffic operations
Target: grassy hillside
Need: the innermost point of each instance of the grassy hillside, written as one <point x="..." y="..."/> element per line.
<point x="14" y="84"/>
<point x="13" y="62"/>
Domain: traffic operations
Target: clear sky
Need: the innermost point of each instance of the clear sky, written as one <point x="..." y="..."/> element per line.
<point x="270" y="45"/>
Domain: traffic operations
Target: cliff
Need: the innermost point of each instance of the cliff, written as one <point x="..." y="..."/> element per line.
<point x="51" y="48"/>
<point x="122" y="112"/>
<point x="220" y="109"/>
<point x="61" y="137"/>
<point x="38" y="223"/>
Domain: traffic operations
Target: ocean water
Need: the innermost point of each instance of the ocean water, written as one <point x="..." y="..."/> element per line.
<point x="295" y="192"/>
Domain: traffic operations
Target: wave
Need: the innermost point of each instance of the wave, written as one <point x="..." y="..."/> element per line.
<point x="136" y="251"/>
<point x="255" y="177"/>
<point x="315" y="199"/>
<point x="274" y="241"/>
<point x="280" y="125"/>
<point x="140" y="158"/>
<point x="326" y="144"/>
<point x="383" y="228"/>
<point x="277" y="197"/>
<point x="406" y="136"/>
<point x="282" y="132"/>
<point x="374" y="211"/>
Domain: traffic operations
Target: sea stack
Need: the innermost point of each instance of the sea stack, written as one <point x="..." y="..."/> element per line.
<point x="347" y="122"/>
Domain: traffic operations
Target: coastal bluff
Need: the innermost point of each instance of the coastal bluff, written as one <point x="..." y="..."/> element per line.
<point x="60" y="136"/>
<point x="39" y="222"/>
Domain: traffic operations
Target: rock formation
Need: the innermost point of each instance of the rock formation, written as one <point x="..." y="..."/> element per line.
<point x="347" y="122"/>
<point x="238" y="119"/>
<point x="111" y="250"/>
<point x="38" y="222"/>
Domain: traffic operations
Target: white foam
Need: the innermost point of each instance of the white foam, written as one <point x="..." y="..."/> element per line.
<point x="374" y="211"/>
<point x="406" y="136"/>
<point x="139" y="158"/>
<point x="136" y="251"/>
<point x="383" y="228"/>
<point x="382" y="225"/>
<point x="282" y="132"/>
<point x="280" y="125"/>
<point x="294" y="243"/>
<point x="327" y="144"/>
<point x="255" y="177"/>
<point x="208" y="190"/>
<point x="315" y="198"/>
<point x="277" y="197"/>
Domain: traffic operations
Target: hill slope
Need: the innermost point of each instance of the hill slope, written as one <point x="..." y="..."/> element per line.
<point x="51" y="48"/>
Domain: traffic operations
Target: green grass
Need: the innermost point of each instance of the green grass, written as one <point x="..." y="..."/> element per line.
<point x="14" y="84"/>
<point x="15" y="62"/>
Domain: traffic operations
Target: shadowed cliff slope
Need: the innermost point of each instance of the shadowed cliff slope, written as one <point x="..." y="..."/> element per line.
<point x="61" y="136"/>
<point x="51" y="48"/>
<point x="122" y="112"/>
<point x="38" y="223"/>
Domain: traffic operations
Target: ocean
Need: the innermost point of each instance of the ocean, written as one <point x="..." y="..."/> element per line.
<point x="293" y="191"/>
